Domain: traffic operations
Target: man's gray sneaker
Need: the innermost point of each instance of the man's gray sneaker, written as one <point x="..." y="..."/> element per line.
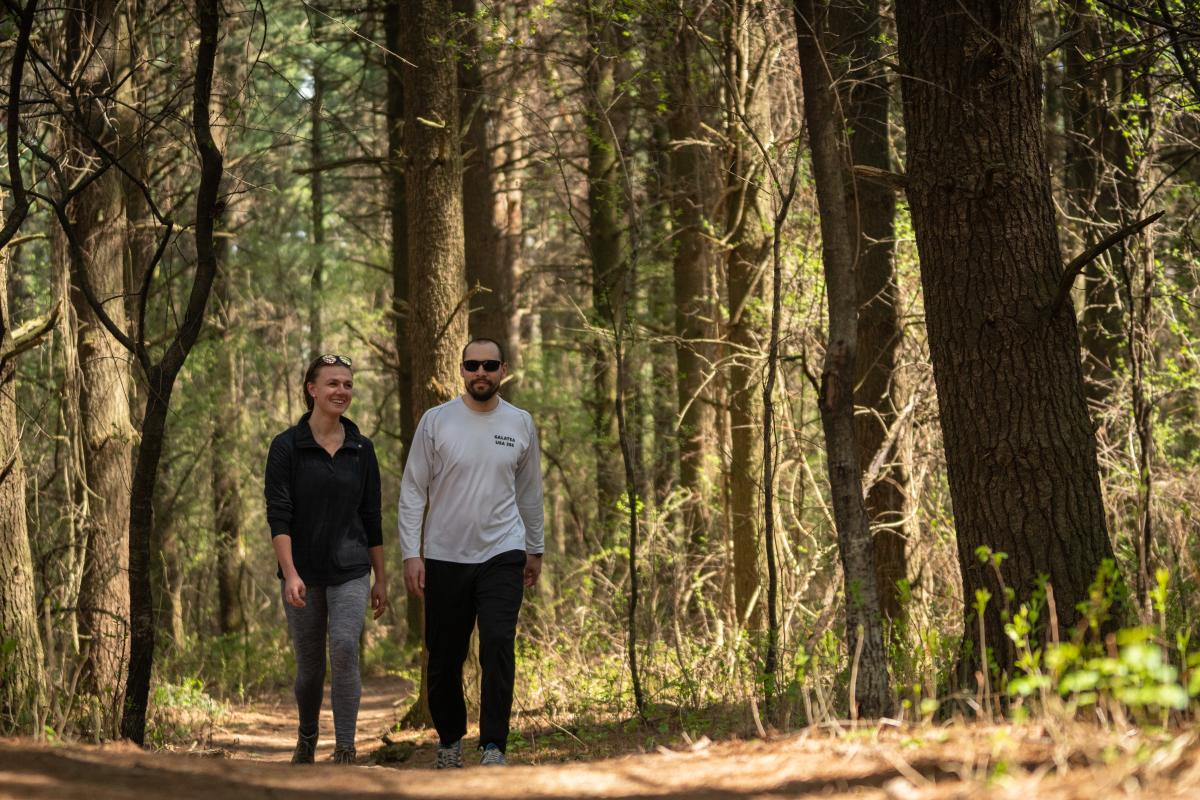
<point x="306" y="749"/>
<point x="492" y="757"/>
<point x="450" y="756"/>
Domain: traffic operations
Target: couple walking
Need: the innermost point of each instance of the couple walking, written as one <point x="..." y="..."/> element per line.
<point x="470" y="521"/>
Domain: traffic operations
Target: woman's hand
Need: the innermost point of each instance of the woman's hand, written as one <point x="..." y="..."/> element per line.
<point x="294" y="590"/>
<point x="379" y="598"/>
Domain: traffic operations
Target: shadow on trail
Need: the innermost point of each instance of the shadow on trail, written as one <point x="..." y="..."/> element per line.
<point x="40" y="773"/>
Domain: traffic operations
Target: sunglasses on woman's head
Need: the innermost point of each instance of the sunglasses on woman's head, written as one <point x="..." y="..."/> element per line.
<point x="330" y="358"/>
<point x="491" y="365"/>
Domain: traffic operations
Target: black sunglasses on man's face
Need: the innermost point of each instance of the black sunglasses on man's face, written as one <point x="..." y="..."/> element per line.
<point x="491" y="365"/>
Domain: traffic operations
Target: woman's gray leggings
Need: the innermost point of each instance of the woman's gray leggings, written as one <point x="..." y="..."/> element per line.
<point x="338" y="610"/>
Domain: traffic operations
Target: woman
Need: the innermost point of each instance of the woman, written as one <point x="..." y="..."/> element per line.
<point x="322" y="490"/>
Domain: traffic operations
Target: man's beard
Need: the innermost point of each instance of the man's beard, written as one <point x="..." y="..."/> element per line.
<point x="486" y="394"/>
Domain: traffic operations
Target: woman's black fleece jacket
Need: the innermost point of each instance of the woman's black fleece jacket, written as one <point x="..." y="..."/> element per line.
<point x="329" y="505"/>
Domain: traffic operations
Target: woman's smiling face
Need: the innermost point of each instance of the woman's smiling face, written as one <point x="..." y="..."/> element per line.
<point x="331" y="390"/>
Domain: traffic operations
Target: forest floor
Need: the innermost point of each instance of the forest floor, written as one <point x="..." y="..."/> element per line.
<point x="248" y="750"/>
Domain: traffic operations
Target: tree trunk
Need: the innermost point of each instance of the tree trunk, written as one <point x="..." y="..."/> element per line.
<point x="693" y="266"/>
<point x="484" y="205"/>
<point x="398" y="207"/>
<point x="864" y="631"/>
<point x="437" y="325"/>
<point x="226" y="382"/>
<point x="22" y="697"/>
<point x="1097" y="176"/>
<point x="160" y="381"/>
<point x="97" y="50"/>
<point x="607" y="119"/>
<point x="870" y="212"/>
<point x="226" y="424"/>
<point x="1020" y="451"/>
<point x="748" y="226"/>
<point x="316" y="189"/>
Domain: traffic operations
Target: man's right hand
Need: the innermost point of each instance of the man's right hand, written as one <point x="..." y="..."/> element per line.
<point x="414" y="576"/>
<point x="294" y="590"/>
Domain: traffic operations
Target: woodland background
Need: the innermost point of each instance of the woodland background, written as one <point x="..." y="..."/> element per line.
<point x="863" y="385"/>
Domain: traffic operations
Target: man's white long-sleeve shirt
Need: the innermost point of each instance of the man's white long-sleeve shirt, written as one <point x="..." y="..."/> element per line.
<point x="480" y="474"/>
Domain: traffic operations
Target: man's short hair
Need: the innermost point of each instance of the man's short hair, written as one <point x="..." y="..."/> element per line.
<point x="480" y="339"/>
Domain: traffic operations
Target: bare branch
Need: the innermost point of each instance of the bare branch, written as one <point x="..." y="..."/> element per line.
<point x="1091" y="254"/>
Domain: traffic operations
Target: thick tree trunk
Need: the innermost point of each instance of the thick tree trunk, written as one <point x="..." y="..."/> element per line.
<point x="398" y="208"/>
<point x="437" y="325"/>
<point x="1020" y="450"/>
<point x="607" y="119"/>
<point x="22" y="696"/>
<point x="870" y="213"/>
<point x="433" y="181"/>
<point x="871" y="693"/>
<point x="97" y="50"/>
<point x="748" y="227"/>
<point x="693" y="267"/>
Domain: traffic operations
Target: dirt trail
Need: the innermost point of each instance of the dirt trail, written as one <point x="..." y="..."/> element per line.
<point x="249" y="754"/>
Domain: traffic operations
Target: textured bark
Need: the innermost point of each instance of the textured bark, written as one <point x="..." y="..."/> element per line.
<point x="748" y="226"/>
<point x="485" y="204"/>
<point x="693" y="266"/>
<point x="854" y="34"/>
<point x="97" y="50"/>
<point x="607" y="120"/>
<point x="437" y="325"/>
<point x="398" y="207"/>
<point x="414" y="608"/>
<point x="1020" y="451"/>
<point x="864" y="631"/>
<point x="22" y="698"/>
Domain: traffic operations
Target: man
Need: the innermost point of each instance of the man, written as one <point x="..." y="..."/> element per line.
<point x="475" y="463"/>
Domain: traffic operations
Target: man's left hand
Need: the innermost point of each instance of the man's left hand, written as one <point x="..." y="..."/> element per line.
<point x="533" y="568"/>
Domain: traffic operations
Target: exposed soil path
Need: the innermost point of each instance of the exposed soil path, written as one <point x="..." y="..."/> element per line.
<point x="249" y="753"/>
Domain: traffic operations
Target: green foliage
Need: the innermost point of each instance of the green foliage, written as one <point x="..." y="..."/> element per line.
<point x="182" y="713"/>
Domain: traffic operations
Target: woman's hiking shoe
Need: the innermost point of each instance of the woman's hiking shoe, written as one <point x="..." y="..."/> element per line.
<point x="450" y="756"/>
<point x="306" y="749"/>
<point x="492" y="757"/>
<point x="344" y="755"/>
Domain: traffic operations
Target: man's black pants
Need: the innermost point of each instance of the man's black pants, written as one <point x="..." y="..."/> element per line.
<point x="456" y="595"/>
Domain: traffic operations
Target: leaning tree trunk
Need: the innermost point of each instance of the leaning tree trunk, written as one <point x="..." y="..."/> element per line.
<point x="748" y="228"/>
<point x="437" y="325"/>
<point x="870" y="212"/>
<point x="1020" y="450"/>
<point x="870" y="692"/>
<point x="98" y="51"/>
<point x="693" y="267"/>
